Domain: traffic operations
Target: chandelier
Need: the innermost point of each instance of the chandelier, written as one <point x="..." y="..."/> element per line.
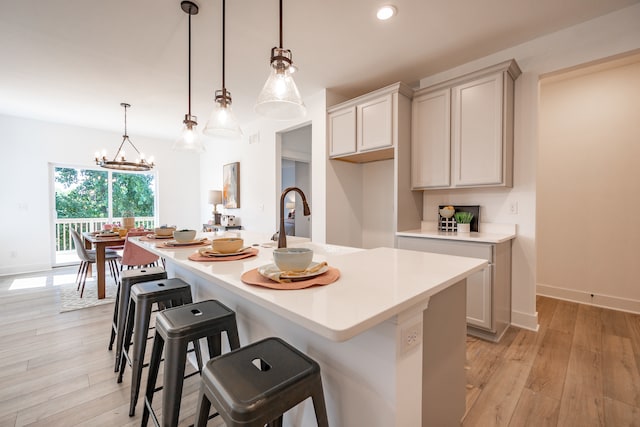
<point x="119" y="161"/>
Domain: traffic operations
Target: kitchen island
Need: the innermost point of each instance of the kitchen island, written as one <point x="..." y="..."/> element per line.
<point x="389" y="335"/>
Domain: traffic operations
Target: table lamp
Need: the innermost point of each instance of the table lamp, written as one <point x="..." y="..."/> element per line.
<point x="215" y="198"/>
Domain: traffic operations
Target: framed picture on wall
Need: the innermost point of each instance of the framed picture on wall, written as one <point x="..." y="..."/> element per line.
<point x="231" y="185"/>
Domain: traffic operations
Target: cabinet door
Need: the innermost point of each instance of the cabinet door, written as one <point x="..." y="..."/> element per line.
<point x="374" y="119"/>
<point x="342" y="131"/>
<point x="479" y="298"/>
<point x="431" y="140"/>
<point x="477" y="132"/>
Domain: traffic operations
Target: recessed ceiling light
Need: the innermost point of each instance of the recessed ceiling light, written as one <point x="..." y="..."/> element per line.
<point x="386" y="12"/>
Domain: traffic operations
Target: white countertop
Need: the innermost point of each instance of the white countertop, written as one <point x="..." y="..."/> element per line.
<point x="375" y="284"/>
<point x="489" y="233"/>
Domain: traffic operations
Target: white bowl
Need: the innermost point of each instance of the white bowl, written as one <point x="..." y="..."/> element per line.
<point x="292" y="259"/>
<point x="184" y="236"/>
<point x="447" y="213"/>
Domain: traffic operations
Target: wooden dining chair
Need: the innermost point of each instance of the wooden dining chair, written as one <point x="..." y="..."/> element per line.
<point x="88" y="257"/>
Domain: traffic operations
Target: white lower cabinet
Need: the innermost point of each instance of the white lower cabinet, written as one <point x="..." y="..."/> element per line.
<point x="488" y="290"/>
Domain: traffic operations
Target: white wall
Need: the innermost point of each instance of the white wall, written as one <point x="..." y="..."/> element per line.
<point x="29" y="146"/>
<point x="258" y="155"/>
<point x="589" y="185"/>
<point x="609" y="35"/>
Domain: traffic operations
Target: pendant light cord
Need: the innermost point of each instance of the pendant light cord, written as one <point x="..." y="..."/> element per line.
<point x="224" y="88"/>
<point x="280" y="24"/>
<point x="189" y="66"/>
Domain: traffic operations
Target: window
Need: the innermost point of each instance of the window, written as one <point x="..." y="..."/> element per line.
<point x="86" y="199"/>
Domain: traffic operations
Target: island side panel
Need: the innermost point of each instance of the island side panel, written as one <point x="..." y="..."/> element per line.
<point x="443" y="374"/>
<point x="358" y="374"/>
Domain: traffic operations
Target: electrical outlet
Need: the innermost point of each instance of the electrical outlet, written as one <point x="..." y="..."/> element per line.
<point x="411" y="336"/>
<point x="513" y="208"/>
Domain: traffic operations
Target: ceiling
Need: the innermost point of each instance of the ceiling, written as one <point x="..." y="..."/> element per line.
<point x="75" y="61"/>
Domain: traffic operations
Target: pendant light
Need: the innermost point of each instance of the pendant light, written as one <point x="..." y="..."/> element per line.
<point x="280" y="98"/>
<point x="119" y="161"/>
<point x="189" y="139"/>
<point x="222" y="122"/>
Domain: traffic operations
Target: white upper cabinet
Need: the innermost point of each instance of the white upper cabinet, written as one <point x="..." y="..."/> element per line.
<point x="430" y="136"/>
<point x="374" y="119"/>
<point x="342" y="128"/>
<point x="365" y="128"/>
<point x="476" y="132"/>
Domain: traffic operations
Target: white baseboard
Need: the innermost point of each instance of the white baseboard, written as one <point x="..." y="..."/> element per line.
<point x="524" y="320"/>
<point x="20" y="269"/>
<point x="583" y="297"/>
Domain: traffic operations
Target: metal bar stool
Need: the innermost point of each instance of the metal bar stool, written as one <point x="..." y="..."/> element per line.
<point x="257" y="384"/>
<point x="165" y="293"/>
<point x="128" y="279"/>
<point x="175" y="328"/>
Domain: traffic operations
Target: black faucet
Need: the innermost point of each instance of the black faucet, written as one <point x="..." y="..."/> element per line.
<point x="282" y="236"/>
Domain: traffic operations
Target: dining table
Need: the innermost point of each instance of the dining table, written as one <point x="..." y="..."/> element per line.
<point x="100" y="244"/>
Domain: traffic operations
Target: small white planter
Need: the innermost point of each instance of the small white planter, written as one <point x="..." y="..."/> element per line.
<point x="464" y="228"/>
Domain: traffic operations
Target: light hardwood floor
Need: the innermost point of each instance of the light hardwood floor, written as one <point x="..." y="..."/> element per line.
<point x="580" y="369"/>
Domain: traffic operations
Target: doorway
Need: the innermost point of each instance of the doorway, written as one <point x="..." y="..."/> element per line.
<point x="295" y="171"/>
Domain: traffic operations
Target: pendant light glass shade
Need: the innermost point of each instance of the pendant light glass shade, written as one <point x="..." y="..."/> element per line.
<point x="223" y="122"/>
<point x="280" y="98"/>
<point x="189" y="139"/>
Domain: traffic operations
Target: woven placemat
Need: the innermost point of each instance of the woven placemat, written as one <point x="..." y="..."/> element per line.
<point x="252" y="277"/>
<point x="164" y="245"/>
<point x="196" y="256"/>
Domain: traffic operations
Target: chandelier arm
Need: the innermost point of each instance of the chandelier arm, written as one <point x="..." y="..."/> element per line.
<point x="124" y="138"/>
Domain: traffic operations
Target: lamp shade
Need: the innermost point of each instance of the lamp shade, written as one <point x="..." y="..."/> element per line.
<point x="223" y="123"/>
<point x="189" y="139"/>
<point x="280" y="98"/>
<point x="215" y="197"/>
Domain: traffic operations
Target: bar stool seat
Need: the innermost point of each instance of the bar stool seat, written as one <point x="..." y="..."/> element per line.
<point x="175" y="328"/>
<point x="164" y="293"/>
<point x="128" y="278"/>
<point x="257" y="384"/>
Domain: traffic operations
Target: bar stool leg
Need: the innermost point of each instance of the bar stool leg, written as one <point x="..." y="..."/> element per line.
<point x="114" y="321"/>
<point x="173" y="380"/>
<point x="154" y="367"/>
<point x="127" y="339"/>
<point x="203" y="407"/>
<point x="319" y="405"/>
<point x="124" y="295"/>
<point x="140" y="326"/>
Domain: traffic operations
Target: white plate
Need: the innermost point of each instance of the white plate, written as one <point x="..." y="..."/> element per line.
<point x="176" y="243"/>
<point x="155" y="236"/>
<point x="209" y="252"/>
<point x="270" y="269"/>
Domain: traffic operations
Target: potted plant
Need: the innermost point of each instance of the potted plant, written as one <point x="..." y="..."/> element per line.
<point x="463" y="221"/>
<point x="128" y="220"/>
